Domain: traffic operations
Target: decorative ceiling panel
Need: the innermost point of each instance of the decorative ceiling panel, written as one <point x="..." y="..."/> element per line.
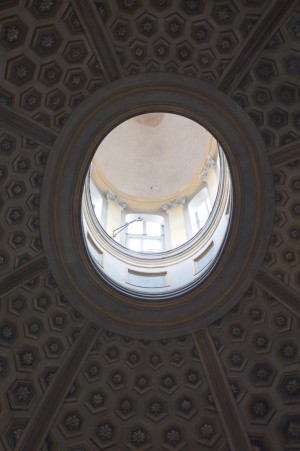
<point x="22" y="166"/>
<point x="195" y="38"/>
<point x="258" y="344"/>
<point x="37" y="329"/>
<point x="269" y="92"/>
<point x="283" y="255"/>
<point x="47" y="63"/>
<point x="143" y="394"/>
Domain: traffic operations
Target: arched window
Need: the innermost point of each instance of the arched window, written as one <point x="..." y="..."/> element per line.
<point x="145" y="233"/>
<point x="97" y="200"/>
<point x="199" y="209"/>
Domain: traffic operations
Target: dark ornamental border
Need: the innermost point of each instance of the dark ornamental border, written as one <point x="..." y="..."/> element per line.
<point x="252" y="216"/>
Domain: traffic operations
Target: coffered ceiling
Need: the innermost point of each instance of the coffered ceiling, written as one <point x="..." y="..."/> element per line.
<point x="66" y="384"/>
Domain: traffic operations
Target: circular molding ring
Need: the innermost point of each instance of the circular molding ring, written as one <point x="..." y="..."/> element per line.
<point x="251" y="222"/>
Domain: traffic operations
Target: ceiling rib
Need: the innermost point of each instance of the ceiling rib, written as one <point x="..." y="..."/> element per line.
<point x="98" y="39"/>
<point x="23" y="274"/>
<point x="231" y="419"/>
<point x="54" y="397"/>
<point x="279" y="290"/>
<point x="255" y="43"/>
<point x="283" y="155"/>
<point x="26" y="125"/>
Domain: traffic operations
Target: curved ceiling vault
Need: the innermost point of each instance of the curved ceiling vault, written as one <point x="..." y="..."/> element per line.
<point x="66" y="384"/>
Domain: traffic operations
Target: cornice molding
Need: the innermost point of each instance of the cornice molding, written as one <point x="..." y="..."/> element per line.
<point x="209" y="163"/>
<point x="115" y="199"/>
<point x="173" y="203"/>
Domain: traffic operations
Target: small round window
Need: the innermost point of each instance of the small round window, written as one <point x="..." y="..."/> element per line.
<point x="156" y="205"/>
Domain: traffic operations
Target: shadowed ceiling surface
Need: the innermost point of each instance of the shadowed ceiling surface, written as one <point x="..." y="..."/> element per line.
<point x="66" y="384"/>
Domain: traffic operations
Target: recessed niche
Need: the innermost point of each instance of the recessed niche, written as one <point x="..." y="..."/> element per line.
<point x="147" y="279"/>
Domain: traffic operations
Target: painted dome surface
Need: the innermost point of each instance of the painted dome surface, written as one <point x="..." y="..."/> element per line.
<point x="161" y="153"/>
